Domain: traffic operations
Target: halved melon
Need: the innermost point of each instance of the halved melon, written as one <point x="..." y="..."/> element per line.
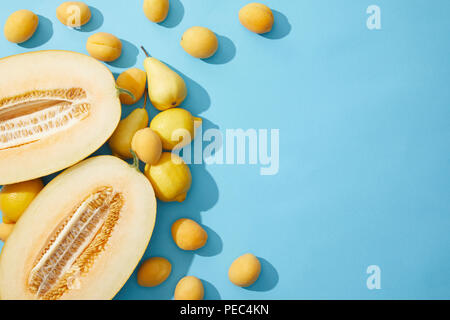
<point x="83" y="235"/>
<point x="56" y="108"/>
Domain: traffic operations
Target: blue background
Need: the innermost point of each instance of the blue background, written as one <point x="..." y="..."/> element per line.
<point x="364" y="119"/>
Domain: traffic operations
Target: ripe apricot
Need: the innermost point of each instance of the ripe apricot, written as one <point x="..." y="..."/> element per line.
<point x="153" y="272"/>
<point x="133" y="80"/>
<point x="20" y="26"/>
<point x="256" y="17"/>
<point x="245" y="270"/>
<point x="73" y="14"/>
<point x="104" y="46"/>
<point x="147" y="145"/>
<point x="189" y="288"/>
<point x="189" y="235"/>
<point x="199" y="42"/>
<point x="156" y="10"/>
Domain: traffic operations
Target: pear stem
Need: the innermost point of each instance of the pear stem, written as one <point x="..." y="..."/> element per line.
<point x="145" y="51"/>
<point x="127" y="92"/>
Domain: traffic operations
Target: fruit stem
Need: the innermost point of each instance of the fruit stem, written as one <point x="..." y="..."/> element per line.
<point x="145" y="51"/>
<point x="135" y="164"/>
<point x="125" y="91"/>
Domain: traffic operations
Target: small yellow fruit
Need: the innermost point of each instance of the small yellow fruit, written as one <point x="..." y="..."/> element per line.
<point x="15" y="198"/>
<point x="133" y="80"/>
<point x="73" y="14"/>
<point x="189" y="235"/>
<point x="156" y="10"/>
<point x="20" y="26"/>
<point x="245" y="270"/>
<point x="256" y="17"/>
<point x="189" y="288"/>
<point x="104" y="46"/>
<point x="170" y="177"/>
<point x="120" y="141"/>
<point x="147" y="146"/>
<point x="176" y="127"/>
<point x="199" y="42"/>
<point x="5" y="231"/>
<point x="153" y="272"/>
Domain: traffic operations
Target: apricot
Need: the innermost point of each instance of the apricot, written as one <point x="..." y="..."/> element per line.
<point x="133" y="80"/>
<point x="189" y="288"/>
<point x="256" y="17"/>
<point x="245" y="270"/>
<point x="153" y="272"/>
<point x="147" y="145"/>
<point x="104" y="46"/>
<point x="73" y="14"/>
<point x="15" y="198"/>
<point x="189" y="235"/>
<point x="20" y="26"/>
<point x="156" y="10"/>
<point x="199" y="42"/>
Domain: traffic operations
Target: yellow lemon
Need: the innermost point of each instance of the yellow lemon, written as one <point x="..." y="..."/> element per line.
<point x="15" y="198"/>
<point x="170" y="177"/>
<point x="176" y="127"/>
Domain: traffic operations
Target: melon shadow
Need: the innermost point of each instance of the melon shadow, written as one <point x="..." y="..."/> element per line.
<point x="43" y="34"/>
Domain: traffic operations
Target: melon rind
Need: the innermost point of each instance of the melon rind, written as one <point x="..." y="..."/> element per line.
<point x="126" y="245"/>
<point x="52" y="70"/>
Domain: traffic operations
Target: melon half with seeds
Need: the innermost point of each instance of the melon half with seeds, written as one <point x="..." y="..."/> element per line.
<point x="56" y="108"/>
<point x="83" y="235"/>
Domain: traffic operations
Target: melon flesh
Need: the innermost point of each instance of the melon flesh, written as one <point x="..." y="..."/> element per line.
<point x="83" y="235"/>
<point x="56" y="108"/>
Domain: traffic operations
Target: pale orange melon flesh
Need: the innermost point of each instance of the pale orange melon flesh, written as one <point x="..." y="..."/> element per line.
<point x="56" y="108"/>
<point x="83" y="235"/>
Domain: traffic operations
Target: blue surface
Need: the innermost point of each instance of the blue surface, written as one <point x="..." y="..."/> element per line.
<point x="364" y="119"/>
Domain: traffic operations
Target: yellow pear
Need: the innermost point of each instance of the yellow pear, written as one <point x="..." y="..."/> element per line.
<point x="166" y="89"/>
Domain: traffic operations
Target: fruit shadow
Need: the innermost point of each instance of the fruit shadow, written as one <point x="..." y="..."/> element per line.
<point x="95" y="23"/>
<point x="268" y="278"/>
<point x="281" y="27"/>
<point x="129" y="55"/>
<point x="43" y="34"/>
<point x="203" y="196"/>
<point x="176" y="14"/>
<point x="225" y="53"/>
<point x="198" y="99"/>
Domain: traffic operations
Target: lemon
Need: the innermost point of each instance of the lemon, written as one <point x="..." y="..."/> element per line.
<point x="170" y="177"/>
<point x="176" y="127"/>
<point x="15" y="198"/>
